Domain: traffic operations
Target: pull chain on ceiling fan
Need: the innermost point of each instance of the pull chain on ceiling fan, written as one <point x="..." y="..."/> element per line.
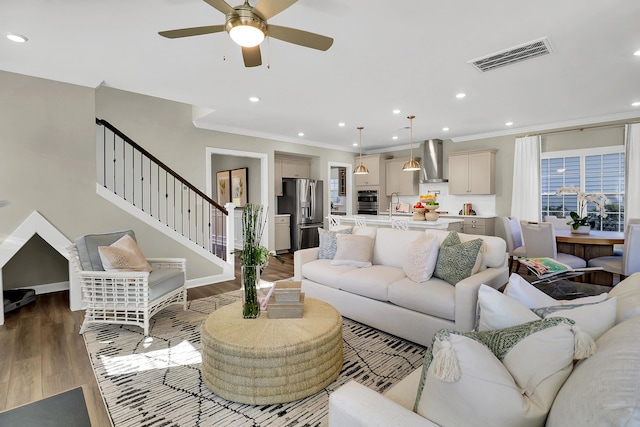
<point x="247" y="26"/>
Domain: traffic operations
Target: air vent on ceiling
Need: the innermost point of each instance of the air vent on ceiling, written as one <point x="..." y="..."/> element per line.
<point x="513" y="55"/>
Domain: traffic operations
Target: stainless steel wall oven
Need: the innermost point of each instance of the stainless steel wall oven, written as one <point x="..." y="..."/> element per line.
<point x="368" y="202"/>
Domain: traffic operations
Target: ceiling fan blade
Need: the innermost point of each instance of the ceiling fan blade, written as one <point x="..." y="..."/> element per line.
<point x="221" y="5"/>
<point x="195" y="31"/>
<point x="300" y="37"/>
<point x="270" y="8"/>
<point x="252" y="57"/>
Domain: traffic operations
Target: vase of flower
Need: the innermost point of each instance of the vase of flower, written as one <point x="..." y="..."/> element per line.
<point x="250" y="281"/>
<point x="582" y="229"/>
<point x="254" y="257"/>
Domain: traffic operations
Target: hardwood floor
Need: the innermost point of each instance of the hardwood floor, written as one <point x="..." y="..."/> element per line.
<point x="42" y="352"/>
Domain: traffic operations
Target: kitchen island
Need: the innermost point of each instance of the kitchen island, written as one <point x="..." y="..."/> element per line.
<point x="385" y="221"/>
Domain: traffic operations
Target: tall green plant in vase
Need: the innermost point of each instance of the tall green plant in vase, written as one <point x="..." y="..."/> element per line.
<point x="253" y="257"/>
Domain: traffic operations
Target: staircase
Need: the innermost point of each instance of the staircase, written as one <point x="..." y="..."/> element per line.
<point x="136" y="181"/>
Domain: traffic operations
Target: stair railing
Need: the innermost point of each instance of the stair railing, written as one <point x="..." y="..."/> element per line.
<point x="135" y="175"/>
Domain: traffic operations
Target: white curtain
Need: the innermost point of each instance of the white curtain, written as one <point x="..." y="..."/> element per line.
<point x="525" y="196"/>
<point x="632" y="172"/>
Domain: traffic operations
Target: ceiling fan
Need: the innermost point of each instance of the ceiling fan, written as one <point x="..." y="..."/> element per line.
<point x="247" y="26"/>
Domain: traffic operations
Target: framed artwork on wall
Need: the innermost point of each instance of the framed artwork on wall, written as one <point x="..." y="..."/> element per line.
<point x="223" y="185"/>
<point x="239" y="187"/>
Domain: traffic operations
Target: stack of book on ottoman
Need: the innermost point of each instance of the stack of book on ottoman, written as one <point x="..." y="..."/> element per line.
<point x="287" y="301"/>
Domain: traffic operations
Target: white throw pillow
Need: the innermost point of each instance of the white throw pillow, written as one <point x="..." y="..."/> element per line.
<point x="532" y="297"/>
<point x="508" y="377"/>
<point x="123" y="255"/>
<point x="421" y="258"/>
<point x="353" y="250"/>
<point x="628" y="294"/>
<point x="497" y="311"/>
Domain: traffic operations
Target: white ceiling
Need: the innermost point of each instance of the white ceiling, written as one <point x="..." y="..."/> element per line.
<point x="411" y="54"/>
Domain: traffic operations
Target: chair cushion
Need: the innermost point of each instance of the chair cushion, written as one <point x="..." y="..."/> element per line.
<point x="571" y="260"/>
<point x="88" y="248"/>
<point x="612" y="264"/>
<point x="163" y="281"/>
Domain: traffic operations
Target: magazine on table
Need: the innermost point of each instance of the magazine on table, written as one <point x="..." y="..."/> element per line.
<point x="548" y="267"/>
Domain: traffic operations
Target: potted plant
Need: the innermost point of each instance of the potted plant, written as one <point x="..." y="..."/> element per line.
<point x="580" y="222"/>
<point x="253" y="257"/>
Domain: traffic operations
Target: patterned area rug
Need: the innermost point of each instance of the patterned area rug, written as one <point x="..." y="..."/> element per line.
<point x="155" y="381"/>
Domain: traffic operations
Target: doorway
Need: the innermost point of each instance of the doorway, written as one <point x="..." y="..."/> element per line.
<point x="340" y="188"/>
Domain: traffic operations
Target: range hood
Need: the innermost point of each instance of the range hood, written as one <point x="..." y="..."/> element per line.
<point x="432" y="162"/>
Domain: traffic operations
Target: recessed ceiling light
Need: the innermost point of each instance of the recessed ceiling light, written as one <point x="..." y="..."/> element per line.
<point x="254" y="99"/>
<point x="355" y="144"/>
<point x="637" y="53"/>
<point x="341" y="124"/>
<point x="394" y="137"/>
<point x="300" y="133"/>
<point x="461" y="95"/>
<point x="445" y="129"/>
<point x="509" y="124"/>
<point x="635" y="104"/>
<point x="18" y="38"/>
<point x="396" y="111"/>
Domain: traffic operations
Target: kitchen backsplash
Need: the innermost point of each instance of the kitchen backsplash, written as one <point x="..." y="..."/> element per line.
<point x="483" y="205"/>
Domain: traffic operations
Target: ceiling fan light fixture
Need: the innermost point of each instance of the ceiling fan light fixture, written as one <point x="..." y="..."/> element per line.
<point x="245" y="28"/>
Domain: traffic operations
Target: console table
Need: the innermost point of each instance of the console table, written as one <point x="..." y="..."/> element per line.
<point x="265" y="361"/>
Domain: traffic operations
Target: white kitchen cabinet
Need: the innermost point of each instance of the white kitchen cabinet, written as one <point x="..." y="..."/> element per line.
<point x="472" y="172"/>
<point x="377" y="171"/>
<point x="277" y="176"/>
<point x="405" y="183"/>
<point x="283" y="233"/>
<point x="295" y="167"/>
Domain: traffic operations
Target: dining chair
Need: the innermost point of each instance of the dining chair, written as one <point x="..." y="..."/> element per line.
<point x="629" y="262"/>
<point x="334" y="222"/>
<point x="540" y="241"/>
<point x="399" y="223"/>
<point x="360" y="221"/>
<point x="514" y="240"/>
<point x="559" y="222"/>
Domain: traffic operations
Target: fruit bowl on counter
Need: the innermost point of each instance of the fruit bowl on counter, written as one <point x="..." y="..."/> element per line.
<point x="418" y="212"/>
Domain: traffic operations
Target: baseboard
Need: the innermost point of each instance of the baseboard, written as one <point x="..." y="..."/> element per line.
<point x="47" y="288"/>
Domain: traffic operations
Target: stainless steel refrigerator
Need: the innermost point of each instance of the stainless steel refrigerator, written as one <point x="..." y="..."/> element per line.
<point x="302" y="199"/>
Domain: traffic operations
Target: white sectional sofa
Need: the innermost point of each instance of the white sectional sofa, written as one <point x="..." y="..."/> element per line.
<point x="382" y="296"/>
<point x="602" y="390"/>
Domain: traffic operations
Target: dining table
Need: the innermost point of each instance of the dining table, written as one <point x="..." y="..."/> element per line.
<point x="586" y="246"/>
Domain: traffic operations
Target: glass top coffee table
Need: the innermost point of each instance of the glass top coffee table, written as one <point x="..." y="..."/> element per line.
<point x="265" y="361"/>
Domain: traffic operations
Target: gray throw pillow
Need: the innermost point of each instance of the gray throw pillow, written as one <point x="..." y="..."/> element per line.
<point x="329" y="242"/>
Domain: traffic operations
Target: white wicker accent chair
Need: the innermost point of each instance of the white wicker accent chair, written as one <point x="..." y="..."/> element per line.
<point x="125" y="297"/>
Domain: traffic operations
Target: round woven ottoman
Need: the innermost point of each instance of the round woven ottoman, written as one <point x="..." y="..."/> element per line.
<point x="264" y="361"/>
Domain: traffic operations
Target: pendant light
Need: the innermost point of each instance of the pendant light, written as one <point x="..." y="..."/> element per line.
<point x="411" y="164"/>
<point x="360" y="169"/>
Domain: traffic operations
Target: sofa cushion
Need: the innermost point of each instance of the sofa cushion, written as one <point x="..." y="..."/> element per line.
<point x="532" y="297"/>
<point x="353" y="250"/>
<point x="497" y="311"/>
<point x="456" y="260"/>
<point x="123" y="255"/>
<point x="370" y="282"/>
<point x="628" y="294"/>
<point x="434" y="297"/>
<point x="88" y="248"/>
<point x="328" y="242"/>
<point x="321" y="271"/>
<point x="604" y="390"/>
<point x="421" y="258"/>
<point x="505" y="378"/>
<point x="391" y="246"/>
